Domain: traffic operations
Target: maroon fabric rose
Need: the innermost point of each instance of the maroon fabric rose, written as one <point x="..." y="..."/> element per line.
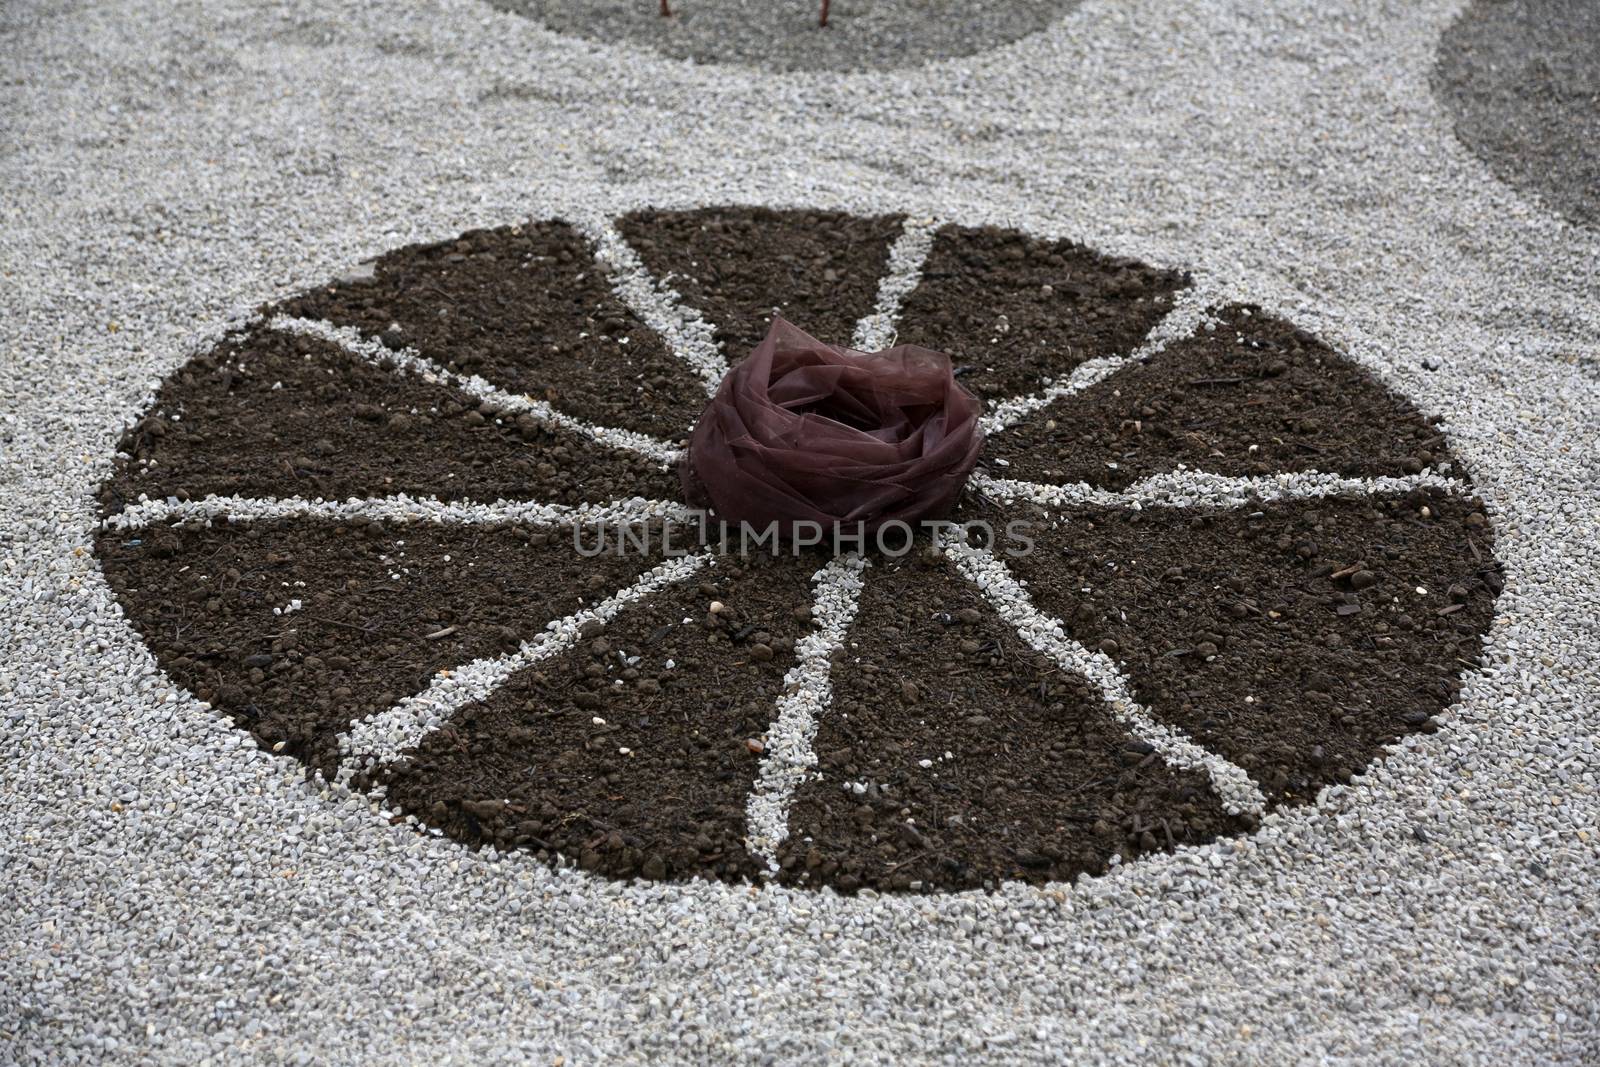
<point x="803" y="431"/>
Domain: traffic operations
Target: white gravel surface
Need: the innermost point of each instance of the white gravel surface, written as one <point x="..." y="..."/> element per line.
<point x="172" y="894"/>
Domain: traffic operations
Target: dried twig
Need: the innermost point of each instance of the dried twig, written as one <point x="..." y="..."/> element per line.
<point x="666" y="12"/>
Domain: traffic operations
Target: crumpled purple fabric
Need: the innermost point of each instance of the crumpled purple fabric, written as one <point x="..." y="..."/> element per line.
<point x="803" y="431"/>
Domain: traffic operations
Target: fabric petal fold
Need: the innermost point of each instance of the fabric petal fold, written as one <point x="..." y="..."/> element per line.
<point x="807" y="432"/>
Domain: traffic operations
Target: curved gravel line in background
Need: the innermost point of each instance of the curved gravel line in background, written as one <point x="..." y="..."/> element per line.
<point x="1521" y="78"/>
<point x="783" y="35"/>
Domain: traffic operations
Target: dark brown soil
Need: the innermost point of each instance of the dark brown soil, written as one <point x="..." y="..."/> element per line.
<point x="777" y="37"/>
<point x="384" y="608"/>
<point x="1044" y="784"/>
<point x="738" y="266"/>
<point x="1011" y="310"/>
<point x="658" y="785"/>
<point x="527" y="308"/>
<point x="1254" y="396"/>
<point x="1291" y="638"/>
<point x="1308" y="609"/>
<point x="272" y="414"/>
<point x="1522" y="82"/>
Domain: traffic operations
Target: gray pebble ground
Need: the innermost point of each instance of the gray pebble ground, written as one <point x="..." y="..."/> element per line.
<point x="1522" y="80"/>
<point x="171" y="894"/>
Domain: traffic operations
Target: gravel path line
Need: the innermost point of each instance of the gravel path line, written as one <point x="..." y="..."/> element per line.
<point x="658" y="305"/>
<point x="1233" y="785"/>
<point x="379" y="355"/>
<point x="1198" y="489"/>
<point x="398" y="508"/>
<point x="1190" y="310"/>
<point x="386" y="737"/>
<point x="789" y="757"/>
<point x="907" y="256"/>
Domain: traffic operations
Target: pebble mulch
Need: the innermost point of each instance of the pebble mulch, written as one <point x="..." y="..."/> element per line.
<point x="175" y="893"/>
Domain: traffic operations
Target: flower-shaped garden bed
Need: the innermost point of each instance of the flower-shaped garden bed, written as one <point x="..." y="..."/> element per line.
<point x="350" y="527"/>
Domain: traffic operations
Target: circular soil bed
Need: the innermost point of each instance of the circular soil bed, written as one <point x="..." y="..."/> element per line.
<point x="1521" y="78"/>
<point x="350" y="528"/>
<point x="860" y="34"/>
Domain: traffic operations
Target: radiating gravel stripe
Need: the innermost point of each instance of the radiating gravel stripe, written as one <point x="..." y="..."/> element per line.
<point x="688" y="335"/>
<point x="1233" y="785"/>
<point x="907" y="256"/>
<point x="1199" y="489"/>
<point x="378" y="354"/>
<point x="808" y="690"/>
<point x="398" y="508"/>
<point x="1189" y="311"/>
<point x="385" y="737"/>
